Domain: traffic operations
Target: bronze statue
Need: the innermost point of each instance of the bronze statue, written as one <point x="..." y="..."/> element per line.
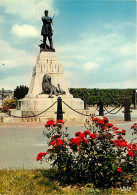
<point x="46" y="31"/>
<point x="50" y="89"/>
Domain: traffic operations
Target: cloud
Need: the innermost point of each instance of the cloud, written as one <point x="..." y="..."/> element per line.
<point x="130" y="64"/>
<point x="118" y="27"/>
<point x="28" y="9"/>
<point x="111" y="56"/>
<point x="13" y="57"/>
<point x="101" y="50"/>
<point x="91" y="66"/>
<point x="25" y="30"/>
<point x="128" y="49"/>
<point x="12" y="82"/>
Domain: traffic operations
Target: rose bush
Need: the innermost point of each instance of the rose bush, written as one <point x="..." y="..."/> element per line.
<point x="99" y="155"/>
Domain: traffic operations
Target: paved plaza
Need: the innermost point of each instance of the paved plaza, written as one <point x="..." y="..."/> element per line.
<point x="21" y="142"/>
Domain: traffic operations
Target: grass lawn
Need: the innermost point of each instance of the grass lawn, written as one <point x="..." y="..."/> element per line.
<point x="36" y="182"/>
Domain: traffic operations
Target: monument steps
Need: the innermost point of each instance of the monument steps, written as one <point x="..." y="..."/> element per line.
<point x="70" y="116"/>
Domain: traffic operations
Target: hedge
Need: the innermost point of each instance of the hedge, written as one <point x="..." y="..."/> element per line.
<point x="109" y="96"/>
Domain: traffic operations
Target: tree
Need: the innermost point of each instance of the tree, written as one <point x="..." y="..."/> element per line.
<point x="20" y="92"/>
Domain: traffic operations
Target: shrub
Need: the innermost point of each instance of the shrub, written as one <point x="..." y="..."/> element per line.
<point x="109" y="96"/>
<point x="99" y="155"/>
<point x="20" y="92"/>
<point x="9" y="104"/>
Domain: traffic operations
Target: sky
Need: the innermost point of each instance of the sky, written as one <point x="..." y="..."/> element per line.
<point x="95" y="41"/>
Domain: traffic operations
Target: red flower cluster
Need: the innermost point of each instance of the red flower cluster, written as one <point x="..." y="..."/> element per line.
<point x="94" y="119"/>
<point x="55" y="136"/>
<point x="123" y="132"/>
<point x="119" y="170"/>
<point x="75" y="141"/>
<point x="115" y="128"/>
<point x="77" y="134"/>
<point x="119" y="137"/>
<point x="100" y="122"/>
<point x="87" y="132"/>
<point x="60" y="121"/>
<point x="121" y="143"/>
<point x="57" y="142"/>
<point x="103" y="127"/>
<point x="103" y="122"/>
<point x="105" y="119"/>
<point x="134" y="126"/>
<point x="40" y="155"/>
<point x="132" y="146"/>
<point x="82" y="135"/>
<point x="49" y="123"/>
<point x="131" y="154"/>
<point x="109" y="125"/>
<point x="80" y="138"/>
<point x="93" y="136"/>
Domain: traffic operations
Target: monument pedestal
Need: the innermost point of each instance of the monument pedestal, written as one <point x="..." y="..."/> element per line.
<point x="36" y="102"/>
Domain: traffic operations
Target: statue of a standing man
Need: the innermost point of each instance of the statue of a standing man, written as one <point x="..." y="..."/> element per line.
<point x="46" y="30"/>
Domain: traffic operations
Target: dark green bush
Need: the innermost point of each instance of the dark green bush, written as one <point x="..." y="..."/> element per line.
<point x="109" y="96"/>
<point x="20" y="92"/>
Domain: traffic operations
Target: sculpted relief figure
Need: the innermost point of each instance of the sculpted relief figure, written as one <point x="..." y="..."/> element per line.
<point x="47" y="31"/>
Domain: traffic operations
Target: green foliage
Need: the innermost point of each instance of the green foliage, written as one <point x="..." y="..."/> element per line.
<point x="99" y="155"/>
<point x="20" y="92"/>
<point x="110" y="96"/>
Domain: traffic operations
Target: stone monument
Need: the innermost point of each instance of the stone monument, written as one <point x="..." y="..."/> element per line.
<point x="47" y="83"/>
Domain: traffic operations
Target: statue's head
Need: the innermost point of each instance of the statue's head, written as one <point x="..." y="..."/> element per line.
<point x="46" y="12"/>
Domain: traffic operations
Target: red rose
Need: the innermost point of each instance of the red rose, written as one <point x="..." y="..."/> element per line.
<point x="118" y="132"/>
<point x="57" y="142"/>
<point x="87" y="132"/>
<point x="103" y="127"/>
<point x="86" y="140"/>
<point x="94" y="119"/>
<point x="60" y="142"/>
<point x="133" y="126"/>
<point x="119" y="137"/>
<point x="49" y="123"/>
<point x="60" y="121"/>
<point x="77" y="134"/>
<point x="109" y="125"/>
<point x="82" y="135"/>
<point x="100" y="122"/>
<point x="75" y="141"/>
<point x="131" y="154"/>
<point x="93" y="136"/>
<point x="115" y="128"/>
<point x="105" y="118"/>
<point x="119" y="170"/>
<point x="40" y="155"/>
<point x="132" y="146"/>
<point x="122" y="143"/>
<point x="123" y="132"/>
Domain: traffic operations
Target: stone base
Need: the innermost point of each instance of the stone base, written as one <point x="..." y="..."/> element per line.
<point x="30" y="107"/>
<point x="70" y="116"/>
<point x="42" y="102"/>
